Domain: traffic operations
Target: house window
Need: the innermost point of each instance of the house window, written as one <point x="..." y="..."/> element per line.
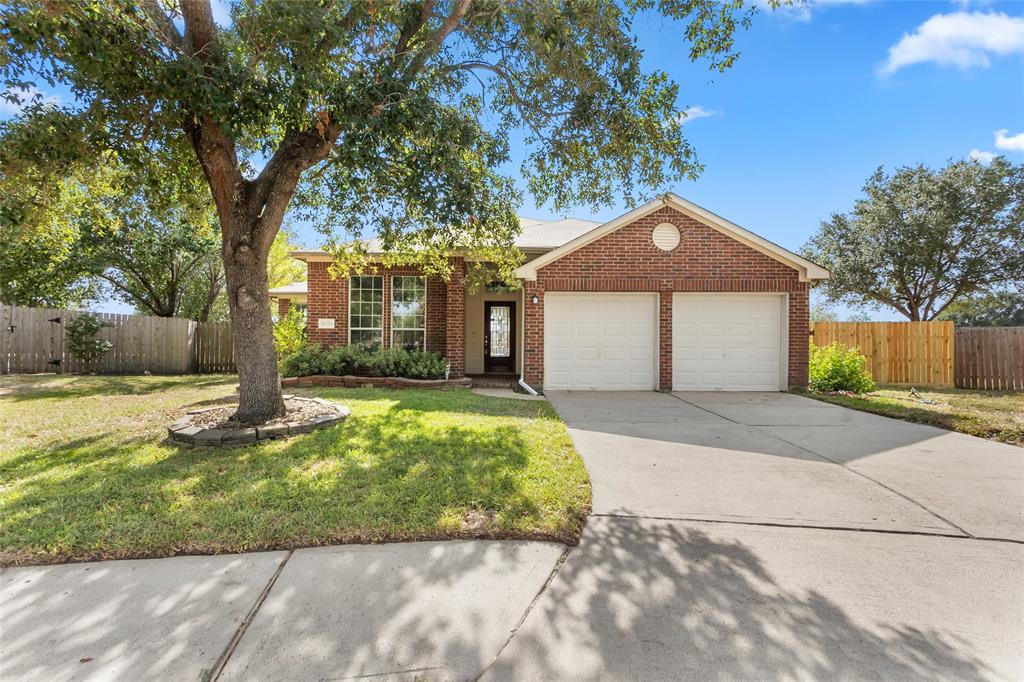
<point x="366" y="312"/>
<point x="408" y="312"/>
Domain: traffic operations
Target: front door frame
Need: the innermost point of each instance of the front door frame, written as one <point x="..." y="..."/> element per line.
<point x="499" y="364"/>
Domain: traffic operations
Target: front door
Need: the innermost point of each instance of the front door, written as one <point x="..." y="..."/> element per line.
<point x="499" y="336"/>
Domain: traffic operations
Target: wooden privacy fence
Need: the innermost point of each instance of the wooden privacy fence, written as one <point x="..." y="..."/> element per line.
<point x="990" y="357"/>
<point x="919" y="353"/>
<point x="141" y="343"/>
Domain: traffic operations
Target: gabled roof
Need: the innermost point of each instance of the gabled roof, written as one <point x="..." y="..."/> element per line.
<point x="536" y="235"/>
<point x="807" y="269"/>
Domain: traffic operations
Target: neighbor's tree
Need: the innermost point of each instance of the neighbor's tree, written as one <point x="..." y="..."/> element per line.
<point x="997" y="309"/>
<point x="372" y="110"/>
<point x="922" y="239"/>
<point x="41" y="253"/>
<point x="159" y="236"/>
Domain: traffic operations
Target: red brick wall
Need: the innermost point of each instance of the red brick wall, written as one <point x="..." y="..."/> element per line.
<point x="328" y="297"/>
<point x="455" y="318"/>
<point x="283" y="304"/>
<point x="704" y="260"/>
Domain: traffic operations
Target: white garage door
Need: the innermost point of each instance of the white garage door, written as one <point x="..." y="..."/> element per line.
<point x="599" y="341"/>
<point x="727" y="342"/>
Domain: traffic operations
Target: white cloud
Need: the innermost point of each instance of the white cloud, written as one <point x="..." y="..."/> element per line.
<point x="1009" y="142"/>
<point x="982" y="157"/>
<point x="24" y="97"/>
<point x="693" y="113"/>
<point x="960" y="39"/>
<point x="803" y="11"/>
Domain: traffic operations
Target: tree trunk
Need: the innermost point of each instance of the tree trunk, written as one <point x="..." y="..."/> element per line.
<point x="245" y="273"/>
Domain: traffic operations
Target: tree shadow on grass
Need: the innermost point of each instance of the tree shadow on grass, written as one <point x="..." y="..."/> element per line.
<point x="388" y="476"/>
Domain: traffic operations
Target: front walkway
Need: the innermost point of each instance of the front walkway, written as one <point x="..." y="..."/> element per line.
<point x="735" y="536"/>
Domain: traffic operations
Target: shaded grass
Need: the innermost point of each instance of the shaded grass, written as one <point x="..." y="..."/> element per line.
<point x="997" y="415"/>
<point x="87" y="473"/>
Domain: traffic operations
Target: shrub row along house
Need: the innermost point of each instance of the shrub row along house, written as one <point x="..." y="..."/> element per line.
<point x="666" y="297"/>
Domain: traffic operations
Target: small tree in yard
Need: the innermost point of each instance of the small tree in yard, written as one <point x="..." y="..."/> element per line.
<point x="921" y="240"/>
<point x="369" y="111"/>
<point x="82" y="342"/>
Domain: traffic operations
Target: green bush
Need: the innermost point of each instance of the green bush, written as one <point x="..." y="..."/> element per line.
<point x="343" y="360"/>
<point x="290" y="333"/>
<point x="838" y="368"/>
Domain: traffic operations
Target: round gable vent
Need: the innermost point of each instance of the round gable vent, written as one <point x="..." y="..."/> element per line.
<point x="666" y="236"/>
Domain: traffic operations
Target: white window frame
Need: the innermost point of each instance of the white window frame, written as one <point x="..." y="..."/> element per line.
<point x="423" y="329"/>
<point x="381" y="327"/>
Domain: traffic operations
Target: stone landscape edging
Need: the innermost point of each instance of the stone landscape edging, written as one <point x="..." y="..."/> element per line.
<point x="350" y="381"/>
<point x="183" y="431"/>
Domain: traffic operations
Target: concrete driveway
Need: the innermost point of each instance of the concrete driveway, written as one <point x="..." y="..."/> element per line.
<point x="769" y="536"/>
<point x="778" y="458"/>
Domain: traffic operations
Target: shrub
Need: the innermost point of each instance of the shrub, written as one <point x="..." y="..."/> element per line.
<point x="343" y="360"/>
<point x="82" y="341"/>
<point x="290" y="333"/>
<point x="838" y="368"/>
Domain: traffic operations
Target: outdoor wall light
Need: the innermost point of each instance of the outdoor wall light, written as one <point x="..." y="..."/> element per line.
<point x="534" y="299"/>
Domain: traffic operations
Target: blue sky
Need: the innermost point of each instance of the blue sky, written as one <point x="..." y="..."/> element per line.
<point x="814" y="105"/>
<point x="823" y="95"/>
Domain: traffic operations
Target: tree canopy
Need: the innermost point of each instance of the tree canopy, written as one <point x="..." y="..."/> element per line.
<point x="388" y="117"/>
<point x="996" y="309"/>
<point x="922" y="239"/>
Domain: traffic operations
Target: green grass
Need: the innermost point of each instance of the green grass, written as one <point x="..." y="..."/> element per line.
<point x="86" y="472"/>
<point x="998" y="415"/>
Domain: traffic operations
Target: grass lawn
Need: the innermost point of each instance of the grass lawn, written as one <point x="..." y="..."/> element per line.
<point x="86" y="472"/>
<point x="998" y="415"/>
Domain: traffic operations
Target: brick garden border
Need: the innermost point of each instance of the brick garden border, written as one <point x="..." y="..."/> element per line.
<point x="183" y="431"/>
<point x="349" y="381"/>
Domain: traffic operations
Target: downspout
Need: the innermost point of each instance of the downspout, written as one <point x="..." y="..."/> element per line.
<point x="522" y="348"/>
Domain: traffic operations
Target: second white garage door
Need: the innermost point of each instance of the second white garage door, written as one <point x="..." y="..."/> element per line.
<point x="600" y="341"/>
<point x="727" y="342"/>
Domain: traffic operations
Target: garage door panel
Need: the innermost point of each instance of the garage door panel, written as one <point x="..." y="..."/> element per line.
<point x="727" y="342"/>
<point x="609" y="342"/>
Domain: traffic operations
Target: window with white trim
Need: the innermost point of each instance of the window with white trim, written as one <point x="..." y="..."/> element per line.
<point x="408" y="312"/>
<point x="366" y="311"/>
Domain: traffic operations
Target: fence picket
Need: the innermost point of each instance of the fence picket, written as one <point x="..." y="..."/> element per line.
<point x="920" y="353"/>
<point x="141" y="343"/>
<point x="990" y="357"/>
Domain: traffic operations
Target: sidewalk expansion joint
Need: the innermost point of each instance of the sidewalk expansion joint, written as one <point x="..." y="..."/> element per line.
<point x="214" y="673"/>
<point x="529" y="607"/>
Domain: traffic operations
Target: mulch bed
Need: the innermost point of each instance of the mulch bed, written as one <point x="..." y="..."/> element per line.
<point x="297" y="411"/>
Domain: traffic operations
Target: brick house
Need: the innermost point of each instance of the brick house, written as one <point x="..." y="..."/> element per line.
<point x="667" y="297"/>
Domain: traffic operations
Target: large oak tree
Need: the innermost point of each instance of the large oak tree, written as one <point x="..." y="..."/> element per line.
<point x="392" y="116"/>
<point x="921" y="239"/>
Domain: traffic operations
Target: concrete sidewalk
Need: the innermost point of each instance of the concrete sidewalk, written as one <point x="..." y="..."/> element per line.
<point x="425" y="610"/>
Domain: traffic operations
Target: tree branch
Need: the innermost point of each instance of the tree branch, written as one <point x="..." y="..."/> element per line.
<point x="447" y="27"/>
<point x="164" y="27"/>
